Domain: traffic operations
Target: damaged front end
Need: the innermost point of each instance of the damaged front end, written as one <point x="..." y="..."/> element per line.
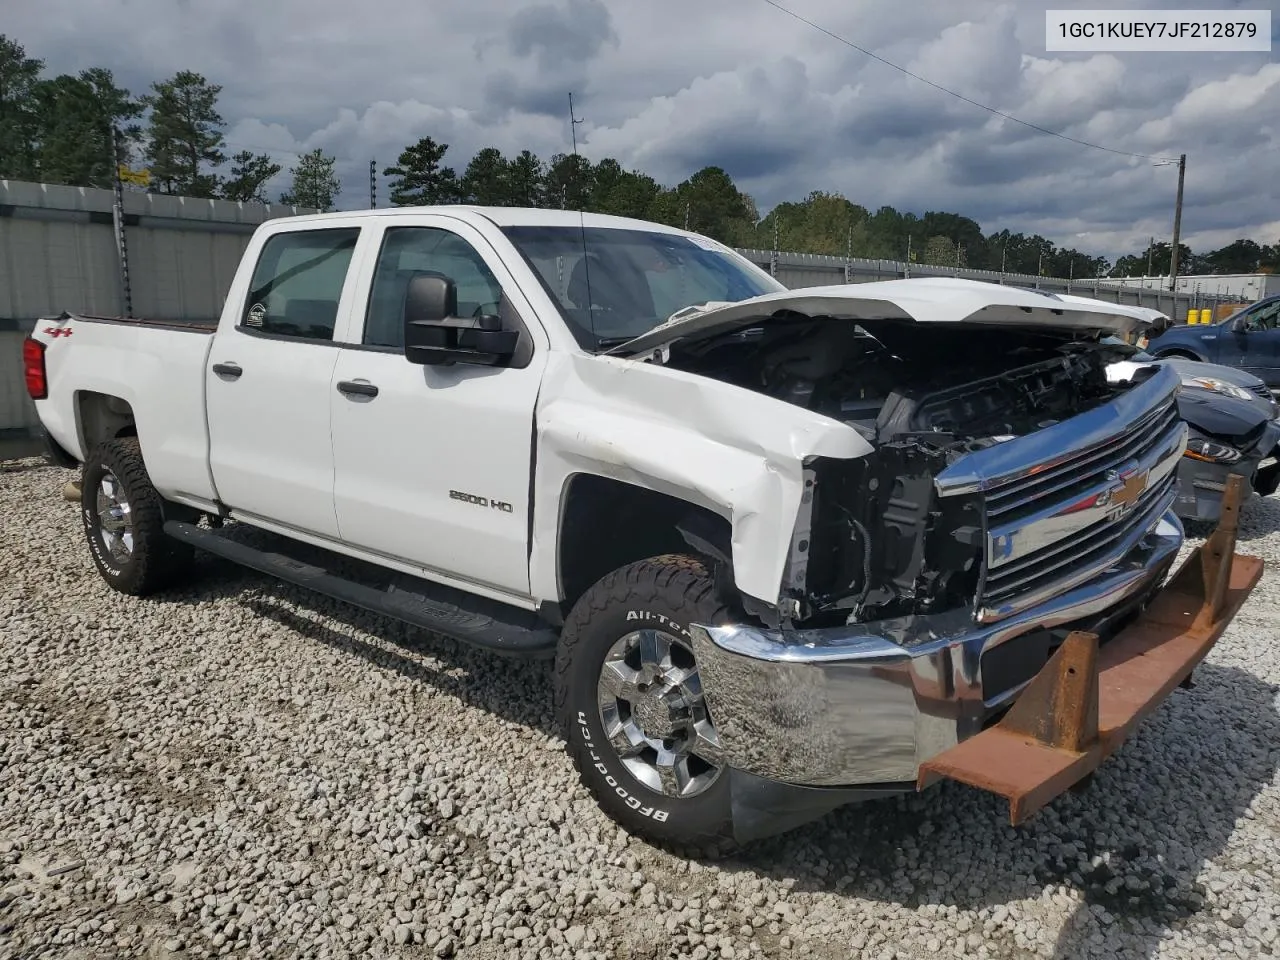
<point x="964" y="502"/>
<point x="933" y="578"/>
<point x="1229" y="437"/>
<point x="997" y="552"/>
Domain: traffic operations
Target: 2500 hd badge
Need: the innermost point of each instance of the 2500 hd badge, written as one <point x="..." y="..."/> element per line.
<point x="481" y="501"/>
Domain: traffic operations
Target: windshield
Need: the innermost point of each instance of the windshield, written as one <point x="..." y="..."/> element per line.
<point x="613" y="284"/>
<point x="1135" y="353"/>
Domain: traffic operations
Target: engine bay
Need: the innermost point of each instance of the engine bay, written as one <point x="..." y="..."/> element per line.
<point x="890" y="379"/>
<point x="878" y="541"/>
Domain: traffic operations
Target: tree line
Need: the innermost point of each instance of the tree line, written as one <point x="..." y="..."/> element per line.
<point x="81" y="129"/>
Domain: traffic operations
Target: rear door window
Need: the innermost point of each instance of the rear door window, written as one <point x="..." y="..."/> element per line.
<point x="297" y="283"/>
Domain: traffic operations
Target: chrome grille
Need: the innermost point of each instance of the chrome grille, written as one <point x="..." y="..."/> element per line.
<point x="1067" y="502"/>
<point x="1063" y="565"/>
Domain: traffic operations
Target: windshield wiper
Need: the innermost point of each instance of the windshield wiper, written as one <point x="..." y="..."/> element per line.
<point x="608" y="343"/>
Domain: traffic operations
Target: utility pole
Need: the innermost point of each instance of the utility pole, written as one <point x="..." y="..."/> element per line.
<point x="907" y="271"/>
<point x="573" y="125"/>
<point x="1004" y="250"/>
<point x="1151" y="249"/>
<point x="1177" y="224"/>
<point x="773" y="254"/>
<point x="848" y="256"/>
<point x="686" y="215"/>
<point x="373" y="184"/>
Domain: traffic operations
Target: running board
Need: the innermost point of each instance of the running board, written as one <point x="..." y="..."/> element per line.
<point x="453" y="613"/>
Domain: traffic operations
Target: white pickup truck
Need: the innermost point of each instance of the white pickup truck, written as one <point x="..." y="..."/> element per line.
<point x="790" y="549"/>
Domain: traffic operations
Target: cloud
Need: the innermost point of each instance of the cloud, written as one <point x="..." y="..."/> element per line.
<point x="554" y="35"/>
<point x="669" y="86"/>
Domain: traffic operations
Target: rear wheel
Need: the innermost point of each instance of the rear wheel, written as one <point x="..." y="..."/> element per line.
<point x="630" y="703"/>
<point x="123" y="517"/>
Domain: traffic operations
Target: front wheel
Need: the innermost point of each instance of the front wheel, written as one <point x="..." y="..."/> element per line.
<point x="630" y="703"/>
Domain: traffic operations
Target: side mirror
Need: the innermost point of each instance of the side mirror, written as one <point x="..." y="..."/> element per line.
<point x="434" y="335"/>
<point x="1240" y="325"/>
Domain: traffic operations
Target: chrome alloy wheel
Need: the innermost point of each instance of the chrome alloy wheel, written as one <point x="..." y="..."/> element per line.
<point x="654" y="714"/>
<point x="115" y="519"/>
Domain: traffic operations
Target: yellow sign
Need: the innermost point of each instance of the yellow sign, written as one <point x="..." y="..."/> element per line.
<point x="139" y="178"/>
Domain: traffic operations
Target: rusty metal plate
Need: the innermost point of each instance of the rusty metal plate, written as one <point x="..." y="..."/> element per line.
<point x="1086" y="700"/>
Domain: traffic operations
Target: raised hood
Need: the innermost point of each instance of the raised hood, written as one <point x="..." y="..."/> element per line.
<point x="922" y="300"/>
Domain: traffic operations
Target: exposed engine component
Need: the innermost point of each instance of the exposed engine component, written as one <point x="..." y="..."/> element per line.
<point x="881" y="542"/>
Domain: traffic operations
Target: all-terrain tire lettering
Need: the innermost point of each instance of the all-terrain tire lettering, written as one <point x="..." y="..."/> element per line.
<point x="663" y="593"/>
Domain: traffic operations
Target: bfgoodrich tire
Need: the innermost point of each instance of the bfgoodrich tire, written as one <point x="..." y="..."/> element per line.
<point x="123" y="518"/>
<point x="629" y="702"/>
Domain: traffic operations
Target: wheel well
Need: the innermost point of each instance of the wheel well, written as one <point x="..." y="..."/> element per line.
<point x="103" y="417"/>
<point x="606" y="524"/>
<point x="1179" y="354"/>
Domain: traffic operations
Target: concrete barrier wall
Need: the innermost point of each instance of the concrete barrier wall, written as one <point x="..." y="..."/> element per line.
<point x="58" y="252"/>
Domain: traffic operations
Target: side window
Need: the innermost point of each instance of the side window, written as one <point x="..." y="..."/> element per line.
<point x="298" y="282"/>
<point x="407" y="251"/>
<point x="1265" y="318"/>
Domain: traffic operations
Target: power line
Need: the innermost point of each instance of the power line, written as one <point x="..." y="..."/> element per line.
<point x="958" y="96"/>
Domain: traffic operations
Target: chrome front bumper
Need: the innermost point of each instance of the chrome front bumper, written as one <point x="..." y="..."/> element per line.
<point x="868" y="703"/>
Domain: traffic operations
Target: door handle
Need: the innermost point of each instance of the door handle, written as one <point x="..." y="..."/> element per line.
<point x="231" y="370"/>
<point x="357" y="388"/>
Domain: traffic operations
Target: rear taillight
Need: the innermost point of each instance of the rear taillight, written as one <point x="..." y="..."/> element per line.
<point x="33" y="369"/>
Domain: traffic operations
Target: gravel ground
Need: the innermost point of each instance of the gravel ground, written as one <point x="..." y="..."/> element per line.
<point x="249" y="769"/>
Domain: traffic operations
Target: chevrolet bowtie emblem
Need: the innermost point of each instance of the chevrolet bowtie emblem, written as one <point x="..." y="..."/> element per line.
<point x="1133" y="487"/>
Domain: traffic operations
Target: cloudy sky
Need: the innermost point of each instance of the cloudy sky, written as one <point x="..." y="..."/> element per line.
<point x="672" y="85"/>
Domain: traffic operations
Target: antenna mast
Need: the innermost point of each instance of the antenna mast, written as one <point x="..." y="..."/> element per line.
<point x="573" y="125"/>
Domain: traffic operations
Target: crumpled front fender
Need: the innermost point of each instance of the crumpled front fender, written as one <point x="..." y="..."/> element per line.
<point x="734" y="452"/>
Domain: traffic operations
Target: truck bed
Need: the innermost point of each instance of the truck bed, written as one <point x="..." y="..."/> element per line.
<point x="157" y="367"/>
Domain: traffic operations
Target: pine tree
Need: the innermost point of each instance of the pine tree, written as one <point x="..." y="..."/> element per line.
<point x="77" y="117"/>
<point x="19" y="112"/>
<point x="526" y="180"/>
<point x="419" y="180"/>
<point x="185" y="135"/>
<point x="487" y="180"/>
<point x="249" y="175"/>
<point x="570" y="179"/>
<point x="315" y="182"/>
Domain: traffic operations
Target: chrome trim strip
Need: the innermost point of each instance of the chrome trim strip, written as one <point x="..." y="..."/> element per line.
<point x="1039" y="452"/>
<point x="1001" y="501"/>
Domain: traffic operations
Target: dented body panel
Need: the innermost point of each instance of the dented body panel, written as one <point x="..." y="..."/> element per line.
<point x="736" y="453"/>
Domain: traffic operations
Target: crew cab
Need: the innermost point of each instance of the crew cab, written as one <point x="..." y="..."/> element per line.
<point x="789" y="549"/>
